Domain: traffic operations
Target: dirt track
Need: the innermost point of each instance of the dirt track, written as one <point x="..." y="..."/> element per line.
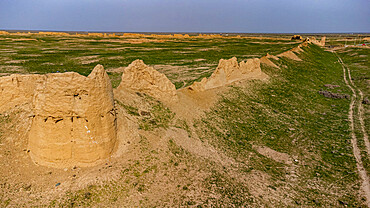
<point x="365" y="185"/>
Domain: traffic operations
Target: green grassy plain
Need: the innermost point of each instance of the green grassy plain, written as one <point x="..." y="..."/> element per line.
<point x="51" y="54"/>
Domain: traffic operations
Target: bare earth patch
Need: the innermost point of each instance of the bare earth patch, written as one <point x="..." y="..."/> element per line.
<point x="13" y="69"/>
<point x="275" y="155"/>
<point x="88" y="59"/>
<point x="15" y="61"/>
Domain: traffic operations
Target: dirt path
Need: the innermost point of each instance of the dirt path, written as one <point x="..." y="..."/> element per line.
<point x="362" y="123"/>
<point x="365" y="185"/>
<point x="360" y="109"/>
<point x="360" y="106"/>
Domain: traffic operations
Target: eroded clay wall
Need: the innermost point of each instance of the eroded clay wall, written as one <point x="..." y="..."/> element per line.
<point x="139" y="77"/>
<point x="229" y="71"/>
<point x="17" y="90"/>
<point x="73" y="122"/>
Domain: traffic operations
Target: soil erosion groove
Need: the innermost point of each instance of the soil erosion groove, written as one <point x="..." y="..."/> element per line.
<point x="356" y="151"/>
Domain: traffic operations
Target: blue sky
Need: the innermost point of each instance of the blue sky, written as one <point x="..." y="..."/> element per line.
<point x="249" y="16"/>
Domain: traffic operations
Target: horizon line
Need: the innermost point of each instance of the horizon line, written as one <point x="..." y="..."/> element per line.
<point x="177" y="32"/>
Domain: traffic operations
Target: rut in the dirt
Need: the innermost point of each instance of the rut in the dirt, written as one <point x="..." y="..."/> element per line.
<point x="365" y="185"/>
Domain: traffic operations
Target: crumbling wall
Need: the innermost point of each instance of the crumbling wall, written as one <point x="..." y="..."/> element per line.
<point x="290" y="54"/>
<point x="54" y="33"/>
<point x="296" y="37"/>
<point x="16" y="90"/>
<point x="316" y="42"/>
<point x="139" y="77"/>
<point x="322" y="42"/>
<point x="229" y="71"/>
<point x="73" y="117"/>
<point x="310" y="40"/>
<point x="266" y="60"/>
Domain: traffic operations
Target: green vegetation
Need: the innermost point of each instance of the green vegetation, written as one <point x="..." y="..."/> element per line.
<point x="48" y="54"/>
<point x="129" y="109"/>
<point x="357" y="60"/>
<point x="158" y="116"/>
<point x="288" y="115"/>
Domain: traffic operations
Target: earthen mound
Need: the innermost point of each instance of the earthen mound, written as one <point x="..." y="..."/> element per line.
<point x="73" y="117"/>
<point x="290" y="54"/>
<point x="322" y="42"/>
<point x="229" y="71"/>
<point x="297" y="49"/>
<point x="266" y="60"/>
<point x="272" y="56"/>
<point x="316" y="42"/>
<point x="139" y="77"/>
<point x="297" y="37"/>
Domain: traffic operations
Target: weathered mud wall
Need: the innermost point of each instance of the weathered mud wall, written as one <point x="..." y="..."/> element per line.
<point x="291" y="54"/>
<point x="266" y="60"/>
<point x="74" y="122"/>
<point x="139" y="77"/>
<point x="316" y="42"/>
<point x="17" y="89"/>
<point x="229" y="71"/>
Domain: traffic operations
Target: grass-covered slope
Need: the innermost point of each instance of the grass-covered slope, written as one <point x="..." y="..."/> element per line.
<point x="288" y="115"/>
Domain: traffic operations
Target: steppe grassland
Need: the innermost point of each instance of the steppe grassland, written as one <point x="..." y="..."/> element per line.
<point x="196" y="57"/>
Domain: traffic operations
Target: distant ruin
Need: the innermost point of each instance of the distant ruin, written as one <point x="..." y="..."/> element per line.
<point x="297" y="37"/>
<point x="316" y="42"/>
